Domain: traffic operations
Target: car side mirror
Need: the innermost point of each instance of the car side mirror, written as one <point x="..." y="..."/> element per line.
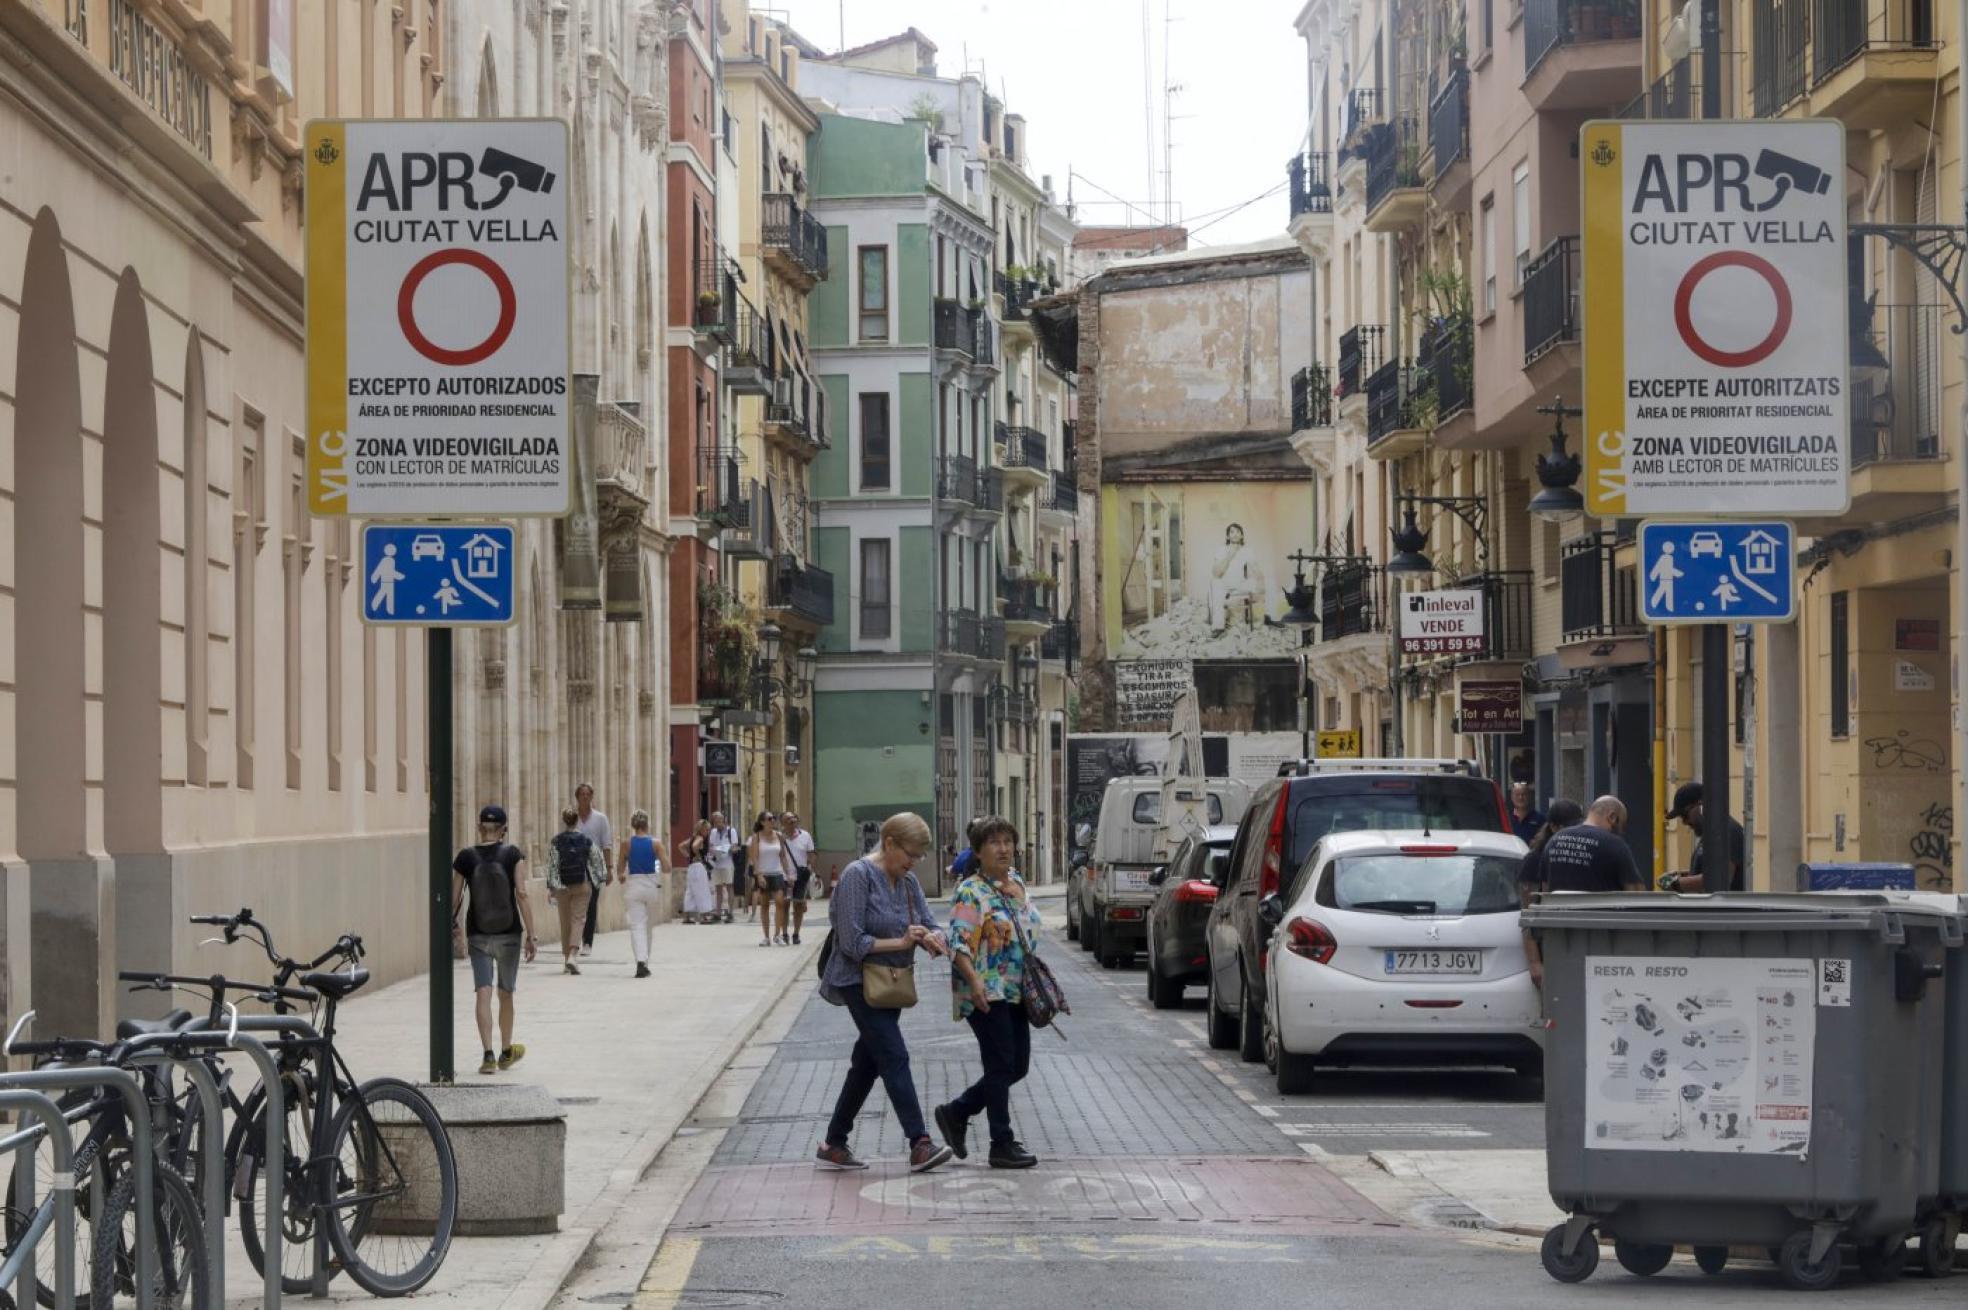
<point x="1271" y="910"/>
<point x="1158" y="877"/>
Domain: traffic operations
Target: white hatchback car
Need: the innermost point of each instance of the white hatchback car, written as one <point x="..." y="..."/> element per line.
<point x="1400" y="948"/>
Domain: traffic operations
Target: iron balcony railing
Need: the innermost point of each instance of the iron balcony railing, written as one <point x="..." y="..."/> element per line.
<point x="1021" y="447"/>
<point x="1348" y="606"/>
<point x="1361" y="109"/>
<point x="1390" y="398"/>
<point x="1448" y="350"/>
<point x="1448" y="122"/>
<point x="791" y="405"/>
<point x="1842" y="30"/>
<point x="990" y="490"/>
<point x="786" y="226"/>
<point x="1551" y="298"/>
<point x="1061" y="642"/>
<point x="714" y="292"/>
<point x="969" y="634"/>
<point x="1597" y="595"/>
<point x="1780" y="54"/>
<point x="751" y="341"/>
<point x="1549" y="24"/>
<point x="983" y="345"/>
<point x="1393" y="160"/>
<point x="950" y="323"/>
<point x="1311" y="191"/>
<point x="1896" y="397"/>
<point x="956" y="479"/>
<point x="1506" y="613"/>
<point x="1024" y="600"/>
<point x="1018" y="293"/>
<point x="1065" y="492"/>
<point x="720" y="494"/>
<point x="1359" y="355"/>
<point x="1312" y="398"/>
<point x="804" y="590"/>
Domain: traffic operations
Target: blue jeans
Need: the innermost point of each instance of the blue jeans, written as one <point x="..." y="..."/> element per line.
<point x="878" y="1053"/>
<point x="1004" y="1040"/>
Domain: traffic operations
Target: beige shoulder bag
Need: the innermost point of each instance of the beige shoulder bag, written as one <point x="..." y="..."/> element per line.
<point x="891" y="986"/>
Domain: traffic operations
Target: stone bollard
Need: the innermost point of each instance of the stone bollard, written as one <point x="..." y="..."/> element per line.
<point x="510" y="1144"/>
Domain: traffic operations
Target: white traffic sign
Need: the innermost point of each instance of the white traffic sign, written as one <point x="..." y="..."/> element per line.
<point x="1442" y="622"/>
<point x="437" y="317"/>
<point x="1715" y="319"/>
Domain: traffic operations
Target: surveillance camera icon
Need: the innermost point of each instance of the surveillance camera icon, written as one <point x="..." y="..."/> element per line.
<point x="1789" y="174"/>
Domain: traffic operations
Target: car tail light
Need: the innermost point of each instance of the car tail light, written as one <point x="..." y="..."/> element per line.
<point x="1274" y="849"/>
<point x="1123" y="912"/>
<point x="1196" y="893"/>
<point x="1428" y="850"/>
<point x="1311" y="940"/>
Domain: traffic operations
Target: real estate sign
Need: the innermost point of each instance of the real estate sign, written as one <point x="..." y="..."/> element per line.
<point x="1442" y="622"/>
<point x="1715" y="319"/>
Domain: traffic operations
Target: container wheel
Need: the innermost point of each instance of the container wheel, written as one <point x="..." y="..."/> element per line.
<point x="1712" y="1259"/>
<point x="1640" y="1259"/>
<point x="1937" y="1247"/>
<point x="1885" y="1260"/>
<point x="1573" y="1268"/>
<point x="1794" y="1263"/>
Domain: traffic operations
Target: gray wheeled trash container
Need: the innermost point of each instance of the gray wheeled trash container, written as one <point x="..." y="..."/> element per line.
<point x="1742" y="1069"/>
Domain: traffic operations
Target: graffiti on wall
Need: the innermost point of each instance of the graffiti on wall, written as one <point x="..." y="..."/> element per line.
<point x="1932" y="848"/>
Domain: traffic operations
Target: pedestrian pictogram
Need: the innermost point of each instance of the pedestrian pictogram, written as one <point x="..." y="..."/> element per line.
<point x="1717" y="572"/>
<point x="438" y="575"/>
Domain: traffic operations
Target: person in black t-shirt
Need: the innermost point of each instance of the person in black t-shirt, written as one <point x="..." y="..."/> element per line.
<point x="492" y="872"/>
<point x="1587" y="857"/>
<point x="1689" y="809"/>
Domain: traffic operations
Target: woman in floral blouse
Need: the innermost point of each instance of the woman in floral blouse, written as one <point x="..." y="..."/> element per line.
<point x="991" y="923"/>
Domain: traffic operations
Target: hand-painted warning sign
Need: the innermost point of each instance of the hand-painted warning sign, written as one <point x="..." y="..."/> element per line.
<point x="437" y="317"/>
<point x="1715" y="319"/>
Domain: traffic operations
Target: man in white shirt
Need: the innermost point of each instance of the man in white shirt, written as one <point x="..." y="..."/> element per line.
<point x="723" y="838"/>
<point x="595" y="824"/>
<point x="799" y="849"/>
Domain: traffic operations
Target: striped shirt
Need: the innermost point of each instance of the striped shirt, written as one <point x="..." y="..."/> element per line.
<point x="865" y="907"/>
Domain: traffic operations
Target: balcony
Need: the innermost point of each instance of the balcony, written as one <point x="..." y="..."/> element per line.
<point x="1506" y="616"/>
<point x="1360" y="350"/>
<point x="1896" y="439"/>
<point x="1551" y="306"/>
<point x="951" y="330"/>
<point x="1065" y="498"/>
<point x="1061" y="643"/>
<point x="801" y="592"/>
<point x="714" y="314"/>
<point x="1448" y="139"/>
<point x="1026" y="605"/>
<point x="1600" y="605"/>
<point x="1022" y="456"/>
<point x="1581" y="54"/>
<point x="1396" y="198"/>
<point x="968" y="635"/>
<point x="1017" y="293"/>
<point x="1393" y="428"/>
<point x="1312" y="398"/>
<point x="1347" y="605"/>
<point x="792" y="242"/>
<point x="1310" y="195"/>
<point x="621" y="455"/>
<point x="747" y="371"/>
<point x="789" y="413"/>
<point x="1360" y="110"/>
<point x="968" y="488"/>
<point x="1873" y="62"/>
<point x="1448" y="353"/>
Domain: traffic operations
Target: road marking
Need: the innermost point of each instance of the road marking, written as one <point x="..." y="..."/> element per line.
<point x="1102" y="1248"/>
<point x="669" y="1273"/>
<point x="1267" y="1111"/>
<point x="1395" y="1129"/>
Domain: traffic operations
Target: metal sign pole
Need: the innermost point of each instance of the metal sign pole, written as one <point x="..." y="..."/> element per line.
<point x="1716" y="845"/>
<point x="437" y="718"/>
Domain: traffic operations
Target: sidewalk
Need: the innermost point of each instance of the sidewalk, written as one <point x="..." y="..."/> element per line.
<point x="627" y="1058"/>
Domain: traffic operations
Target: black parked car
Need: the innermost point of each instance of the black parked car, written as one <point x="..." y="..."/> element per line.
<point x="1178" y="921"/>
<point x="1286" y="819"/>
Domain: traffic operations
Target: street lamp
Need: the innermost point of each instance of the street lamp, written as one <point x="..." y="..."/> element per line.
<point x="1300" y="596"/>
<point x="770" y="638"/>
<point x="1407" y="560"/>
<point x="1558" y="471"/>
<point x="1411" y="539"/>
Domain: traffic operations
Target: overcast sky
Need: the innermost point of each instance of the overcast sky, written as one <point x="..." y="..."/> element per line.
<point x="1074" y="69"/>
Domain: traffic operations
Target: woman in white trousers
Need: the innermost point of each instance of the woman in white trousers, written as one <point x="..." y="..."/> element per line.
<point x="644" y="862"/>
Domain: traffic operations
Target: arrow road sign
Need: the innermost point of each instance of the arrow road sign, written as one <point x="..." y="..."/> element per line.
<point x="1734" y="572"/>
<point x="438" y="575"/>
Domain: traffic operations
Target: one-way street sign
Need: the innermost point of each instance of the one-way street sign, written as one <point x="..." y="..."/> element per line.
<point x="430" y="575"/>
<point x="1734" y="572"/>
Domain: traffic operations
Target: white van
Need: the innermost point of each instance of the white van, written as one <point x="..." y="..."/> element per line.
<point x="1107" y="904"/>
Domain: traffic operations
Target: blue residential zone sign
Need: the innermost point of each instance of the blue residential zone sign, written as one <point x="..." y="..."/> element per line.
<point x="1729" y="572"/>
<point x="438" y="575"/>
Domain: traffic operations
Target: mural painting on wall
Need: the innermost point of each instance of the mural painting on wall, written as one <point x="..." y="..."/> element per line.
<point x="1197" y="570"/>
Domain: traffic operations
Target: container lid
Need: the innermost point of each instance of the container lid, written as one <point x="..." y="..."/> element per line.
<point x="1861" y="911"/>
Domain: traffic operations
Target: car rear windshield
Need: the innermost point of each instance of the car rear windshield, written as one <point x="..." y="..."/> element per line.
<point x="1327" y="805"/>
<point x="1148" y="808"/>
<point x="1422" y="884"/>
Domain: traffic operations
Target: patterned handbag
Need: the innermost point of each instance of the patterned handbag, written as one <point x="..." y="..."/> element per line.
<point x="1044" y="999"/>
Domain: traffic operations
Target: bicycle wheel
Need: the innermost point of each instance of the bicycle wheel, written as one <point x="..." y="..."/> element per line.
<point x="87" y="1198"/>
<point x="298" y="1218"/>
<point x="392" y="1163"/>
<point x="182" y="1277"/>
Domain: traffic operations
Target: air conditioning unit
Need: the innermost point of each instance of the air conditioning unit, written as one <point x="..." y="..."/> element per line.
<point x="782" y="392"/>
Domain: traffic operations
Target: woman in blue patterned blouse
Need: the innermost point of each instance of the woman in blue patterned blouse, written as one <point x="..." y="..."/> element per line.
<point x="991" y="924"/>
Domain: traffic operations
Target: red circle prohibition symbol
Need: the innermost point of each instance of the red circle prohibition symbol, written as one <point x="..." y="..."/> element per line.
<point x="1684" y="322"/>
<point x="406" y="304"/>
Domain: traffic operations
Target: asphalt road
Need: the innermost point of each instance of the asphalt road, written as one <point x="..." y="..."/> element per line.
<point x="1170" y="1176"/>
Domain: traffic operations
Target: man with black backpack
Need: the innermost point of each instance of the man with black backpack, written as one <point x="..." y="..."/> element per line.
<point x="491" y="872"/>
<point x="572" y="884"/>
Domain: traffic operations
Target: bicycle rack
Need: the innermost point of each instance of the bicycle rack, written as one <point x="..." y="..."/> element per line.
<point x="213" y="1113"/>
<point x="125" y="1083"/>
<point x="55" y="1127"/>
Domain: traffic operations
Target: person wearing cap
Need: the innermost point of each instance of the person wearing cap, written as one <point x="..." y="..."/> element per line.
<point x="1689" y="809"/>
<point x="492" y="872"/>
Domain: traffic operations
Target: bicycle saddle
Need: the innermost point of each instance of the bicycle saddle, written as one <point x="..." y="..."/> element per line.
<point x="336" y="985"/>
<point x="170" y="1023"/>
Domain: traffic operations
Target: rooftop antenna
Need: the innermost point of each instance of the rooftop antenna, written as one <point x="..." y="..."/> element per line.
<point x="1148" y="102"/>
<point x="843" y="26"/>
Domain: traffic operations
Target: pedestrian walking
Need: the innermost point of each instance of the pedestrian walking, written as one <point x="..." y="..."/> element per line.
<point x="992" y="925"/>
<point x="595" y="824"/>
<point x="498" y="927"/>
<point x="880" y="919"/>
<point x="771" y="864"/>
<point x="642" y="866"/>
<point x="1589" y="856"/>
<point x="744" y="878"/>
<point x="799" y="848"/>
<point x="573" y="883"/>
<point x="723" y="839"/>
<point x="699" y="902"/>
<point x="833" y="879"/>
<point x="1564" y="813"/>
